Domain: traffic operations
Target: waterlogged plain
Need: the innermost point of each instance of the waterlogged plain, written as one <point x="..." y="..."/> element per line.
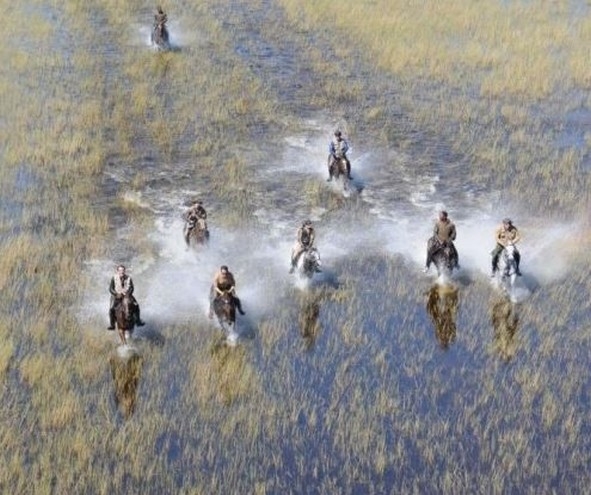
<point x="370" y="380"/>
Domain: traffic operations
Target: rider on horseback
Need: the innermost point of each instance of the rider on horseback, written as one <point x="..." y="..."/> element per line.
<point x="223" y="282"/>
<point x="160" y="17"/>
<point x="195" y="217"/>
<point x="444" y="233"/>
<point x="337" y="149"/>
<point x="506" y="234"/>
<point x="305" y="241"/>
<point x="121" y="286"/>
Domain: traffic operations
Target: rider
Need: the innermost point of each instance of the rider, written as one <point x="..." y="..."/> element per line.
<point x="160" y="17"/>
<point x="305" y="241"/>
<point x="122" y="285"/>
<point x="444" y="233"/>
<point x="192" y="217"/>
<point x="337" y="149"/>
<point x="223" y="282"/>
<point x="506" y="234"/>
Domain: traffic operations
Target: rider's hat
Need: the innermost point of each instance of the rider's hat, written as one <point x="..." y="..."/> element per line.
<point x="507" y="220"/>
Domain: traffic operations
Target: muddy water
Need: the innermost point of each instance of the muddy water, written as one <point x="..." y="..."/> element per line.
<point x="364" y="325"/>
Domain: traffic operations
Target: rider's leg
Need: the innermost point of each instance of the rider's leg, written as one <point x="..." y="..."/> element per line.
<point x="430" y="253"/>
<point x="239" y="305"/>
<point x="330" y="162"/>
<point x="456" y="257"/>
<point x="138" y="320"/>
<point x="295" y="254"/>
<point x="517" y="257"/>
<point x="496" y="252"/>
<point x="111" y="318"/>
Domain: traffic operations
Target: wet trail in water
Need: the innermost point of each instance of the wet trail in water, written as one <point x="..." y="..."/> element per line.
<point x="399" y="191"/>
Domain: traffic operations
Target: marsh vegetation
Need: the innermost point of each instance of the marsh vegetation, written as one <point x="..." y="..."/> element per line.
<point x="365" y="382"/>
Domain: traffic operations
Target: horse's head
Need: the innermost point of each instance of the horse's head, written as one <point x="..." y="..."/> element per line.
<point x="225" y="307"/>
<point x="509" y="251"/>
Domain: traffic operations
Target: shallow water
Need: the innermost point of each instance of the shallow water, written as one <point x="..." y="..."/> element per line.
<point x="371" y="344"/>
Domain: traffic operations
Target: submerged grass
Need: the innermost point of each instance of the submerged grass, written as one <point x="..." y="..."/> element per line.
<point x="338" y="392"/>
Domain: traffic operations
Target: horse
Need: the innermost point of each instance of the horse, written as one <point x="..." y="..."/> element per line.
<point x="444" y="257"/>
<point x="160" y="37"/>
<point x="338" y="171"/>
<point x="199" y="233"/>
<point x="508" y="267"/>
<point x="309" y="263"/>
<point x="125" y="318"/>
<point x="224" y="307"/>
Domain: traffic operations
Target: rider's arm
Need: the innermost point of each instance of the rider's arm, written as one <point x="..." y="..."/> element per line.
<point x="112" y="287"/>
<point x="331" y="148"/>
<point x="130" y="291"/>
<point x="344" y="146"/>
<point x="498" y="236"/>
<point x="517" y="236"/>
<point x="452" y="232"/>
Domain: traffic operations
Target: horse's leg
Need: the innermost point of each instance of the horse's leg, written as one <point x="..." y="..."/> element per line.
<point x="121" y="333"/>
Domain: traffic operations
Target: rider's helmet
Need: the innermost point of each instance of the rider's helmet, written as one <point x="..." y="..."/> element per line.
<point x="507" y="221"/>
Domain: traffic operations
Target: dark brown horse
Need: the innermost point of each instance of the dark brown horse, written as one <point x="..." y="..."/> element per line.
<point x="160" y="37"/>
<point x="338" y="171"/>
<point x="125" y="317"/>
<point x="198" y="234"/>
<point x="224" y="307"/>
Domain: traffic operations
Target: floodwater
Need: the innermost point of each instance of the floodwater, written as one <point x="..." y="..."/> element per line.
<point x="371" y="317"/>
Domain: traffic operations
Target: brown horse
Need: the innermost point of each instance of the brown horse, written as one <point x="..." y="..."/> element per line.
<point x="224" y="307"/>
<point x="198" y="234"/>
<point x="338" y="171"/>
<point x="125" y="317"/>
<point x="160" y="37"/>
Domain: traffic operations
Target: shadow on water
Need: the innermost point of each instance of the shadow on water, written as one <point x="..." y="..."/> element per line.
<point x="126" y="370"/>
<point x="442" y="307"/>
<point x="505" y="321"/>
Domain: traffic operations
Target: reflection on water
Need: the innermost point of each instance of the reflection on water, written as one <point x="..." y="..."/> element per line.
<point x="126" y="371"/>
<point x="308" y="321"/>
<point x="229" y="372"/>
<point x="442" y="306"/>
<point x="504" y="320"/>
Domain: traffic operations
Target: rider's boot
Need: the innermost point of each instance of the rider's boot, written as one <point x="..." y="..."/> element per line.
<point x="239" y="306"/>
<point x="138" y="320"/>
<point x="494" y="270"/>
<point x="111" y="320"/>
<point x="349" y="171"/>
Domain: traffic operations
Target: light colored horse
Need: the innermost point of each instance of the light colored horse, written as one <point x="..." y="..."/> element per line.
<point x="508" y="267"/>
<point x="309" y="263"/>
